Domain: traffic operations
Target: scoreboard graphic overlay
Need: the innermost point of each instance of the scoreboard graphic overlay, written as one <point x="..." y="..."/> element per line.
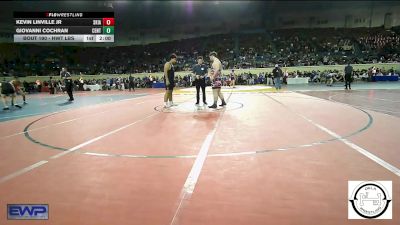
<point x="64" y="26"/>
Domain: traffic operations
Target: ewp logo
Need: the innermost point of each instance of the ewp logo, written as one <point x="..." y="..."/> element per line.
<point x="28" y="212"/>
<point x="370" y="200"/>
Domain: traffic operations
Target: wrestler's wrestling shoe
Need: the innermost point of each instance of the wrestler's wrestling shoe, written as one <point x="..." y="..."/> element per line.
<point x="167" y="105"/>
<point x="214" y="106"/>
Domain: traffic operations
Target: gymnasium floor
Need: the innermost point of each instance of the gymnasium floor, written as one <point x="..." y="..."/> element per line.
<point x="267" y="158"/>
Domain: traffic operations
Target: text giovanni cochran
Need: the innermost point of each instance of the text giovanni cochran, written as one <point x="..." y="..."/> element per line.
<point x="41" y="30"/>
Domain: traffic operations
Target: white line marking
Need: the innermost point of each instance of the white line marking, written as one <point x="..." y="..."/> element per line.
<point x="352" y="145"/>
<point x="194" y="173"/>
<point x="67" y="121"/>
<point x="138" y="156"/>
<point x="134" y="156"/>
<point x="233" y="154"/>
<point x="99" y="137"/>
<point x="97" y="154"/>
<point x="366" y="153"/>
<point x="22" y="171"/>
<point x="36" y="165"/>
<point x="62" y="122"/>
<point x="54" y="124"/>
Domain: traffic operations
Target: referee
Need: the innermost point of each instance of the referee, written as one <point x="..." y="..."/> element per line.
<point x="64" y="74"/>
<point x="200" y="71"/>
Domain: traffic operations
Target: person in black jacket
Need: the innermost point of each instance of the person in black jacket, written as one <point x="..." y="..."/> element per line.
<point x="277" y="72"/>
<point x="51" y="86"/>
<point x="348" y="75"/>
<point x="131" y="83"/>
<point x="64" y="74"/>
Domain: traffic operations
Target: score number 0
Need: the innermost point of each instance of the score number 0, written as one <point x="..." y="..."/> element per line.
<point x="108" y="21"/>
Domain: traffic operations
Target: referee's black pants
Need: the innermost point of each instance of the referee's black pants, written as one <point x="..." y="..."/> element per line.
<point x="201" y="83"/>
<point x="347" y="80"/>
<point x="131" y="86"/>
<point x="69" y="87"/>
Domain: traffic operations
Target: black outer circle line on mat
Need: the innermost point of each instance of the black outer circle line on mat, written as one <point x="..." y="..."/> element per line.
<point x="370" y="121"/>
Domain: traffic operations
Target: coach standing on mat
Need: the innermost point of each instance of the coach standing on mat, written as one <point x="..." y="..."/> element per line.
<point x="348" y="75"/>
<point x="200" y="71"/>
<point x="131" y="82"/>
<point x="277" y="72"/>
<point x="64" y="74"/>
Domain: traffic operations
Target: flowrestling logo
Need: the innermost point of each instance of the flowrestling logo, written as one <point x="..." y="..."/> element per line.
<point x="370" y="200"/>
<point x="27" y="211"/>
